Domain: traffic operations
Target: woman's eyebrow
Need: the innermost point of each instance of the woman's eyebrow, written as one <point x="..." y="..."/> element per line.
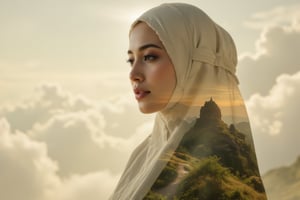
<point x="145" y="47"/>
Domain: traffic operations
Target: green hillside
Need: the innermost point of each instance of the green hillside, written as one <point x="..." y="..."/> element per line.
<point x="213" y="161"/>
<point x="209" y="180"/>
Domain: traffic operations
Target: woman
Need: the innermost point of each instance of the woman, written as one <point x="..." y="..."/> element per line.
<point x="183" y="67"/>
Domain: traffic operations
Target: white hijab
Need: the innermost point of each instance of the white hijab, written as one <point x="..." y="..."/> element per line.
<point x="205" y="59"/>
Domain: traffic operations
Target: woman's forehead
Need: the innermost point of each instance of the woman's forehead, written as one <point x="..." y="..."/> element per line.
<point x="141" y="35"/>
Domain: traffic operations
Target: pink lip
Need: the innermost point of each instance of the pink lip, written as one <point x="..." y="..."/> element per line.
<point x="140" y="94"/>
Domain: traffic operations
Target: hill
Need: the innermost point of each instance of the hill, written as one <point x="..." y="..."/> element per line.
<point x="214" y="160"/>
<point x="283" y="183"/>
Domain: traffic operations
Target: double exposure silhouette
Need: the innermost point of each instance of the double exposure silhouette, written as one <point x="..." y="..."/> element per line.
<point x="200" y="148"/>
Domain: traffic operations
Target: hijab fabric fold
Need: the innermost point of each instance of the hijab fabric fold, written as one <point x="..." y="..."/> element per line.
<point x="201" y="144"/>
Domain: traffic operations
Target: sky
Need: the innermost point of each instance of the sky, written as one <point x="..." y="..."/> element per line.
<point x="68" y="118"/>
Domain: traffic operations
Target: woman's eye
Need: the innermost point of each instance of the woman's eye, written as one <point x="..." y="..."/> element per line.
<point x="130" y="61"/>
<point x="149" y="57"/>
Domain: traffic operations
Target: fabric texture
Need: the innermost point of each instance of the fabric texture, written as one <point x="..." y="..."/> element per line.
<point x="201" y="144"/>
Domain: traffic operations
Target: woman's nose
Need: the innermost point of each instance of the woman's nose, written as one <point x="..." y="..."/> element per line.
<point x="136" y="74"/>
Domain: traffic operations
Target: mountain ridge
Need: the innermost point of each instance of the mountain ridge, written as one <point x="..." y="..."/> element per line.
<point x="283" y="183"/>
<point x="212" y="161"/>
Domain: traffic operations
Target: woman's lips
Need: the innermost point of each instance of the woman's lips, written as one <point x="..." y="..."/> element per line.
<point x="140" y="94"/>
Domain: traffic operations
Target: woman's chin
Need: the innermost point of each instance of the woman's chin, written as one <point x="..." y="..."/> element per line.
<point x="148" y="109"/>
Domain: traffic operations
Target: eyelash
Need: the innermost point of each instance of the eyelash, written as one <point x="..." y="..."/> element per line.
<point x="130" y="61"/>
<point x="149" y="57"/>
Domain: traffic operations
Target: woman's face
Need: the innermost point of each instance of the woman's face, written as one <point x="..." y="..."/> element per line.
<point x="152" y="73"/>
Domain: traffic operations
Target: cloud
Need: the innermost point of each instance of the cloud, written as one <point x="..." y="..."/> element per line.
<point x="279" y="16"/>
<point x="270" y="81"/>
<point x="92" y="186"/>
<point x="274" y="120"/>
<point x="26" y="170"/>
<point x="28" y="173"/>
<point x="77" y="141"/>
<point x="277" y="53"/>
<point x="48" y="100"/>
<point x="81" y="136"/>
<point x="81" y="144"/>
<point x="275" y="104"/>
